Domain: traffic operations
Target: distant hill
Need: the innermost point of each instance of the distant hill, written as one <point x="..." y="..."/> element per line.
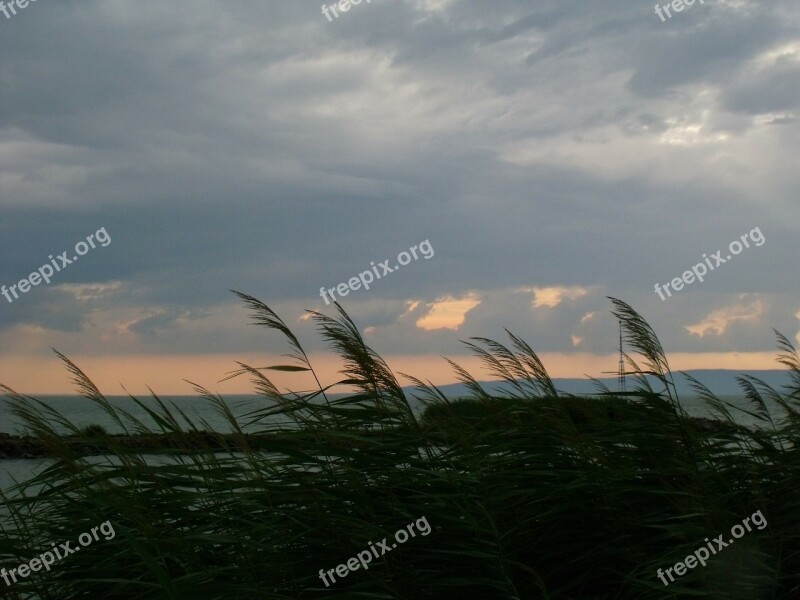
<point x="720" y="381"/>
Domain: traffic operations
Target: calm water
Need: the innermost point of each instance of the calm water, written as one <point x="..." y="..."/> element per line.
<point x="83" y="413"/>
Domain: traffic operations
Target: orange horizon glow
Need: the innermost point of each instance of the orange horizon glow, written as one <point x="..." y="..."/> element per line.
<point x="165" y="374"/>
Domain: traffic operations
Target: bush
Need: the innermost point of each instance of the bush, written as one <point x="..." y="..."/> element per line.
<point x="94" y="431"/>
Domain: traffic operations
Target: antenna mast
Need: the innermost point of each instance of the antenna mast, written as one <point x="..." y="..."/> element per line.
<point x="621" y="375"/>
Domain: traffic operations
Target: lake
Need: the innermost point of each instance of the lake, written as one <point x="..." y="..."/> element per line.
<point x="83" y="412"/>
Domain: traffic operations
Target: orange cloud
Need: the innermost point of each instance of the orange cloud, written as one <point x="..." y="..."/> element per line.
<point x="448" y="312"/>
<point x="718" y="321"/>
<point x="553" y="296"/>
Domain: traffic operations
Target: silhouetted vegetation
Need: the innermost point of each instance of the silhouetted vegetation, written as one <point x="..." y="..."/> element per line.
<point x="535" y="494"/>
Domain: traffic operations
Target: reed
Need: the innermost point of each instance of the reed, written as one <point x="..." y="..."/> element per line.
<point x="531" y="493"/>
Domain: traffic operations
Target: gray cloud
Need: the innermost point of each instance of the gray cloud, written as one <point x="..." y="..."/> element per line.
<point x="258" y="147"/>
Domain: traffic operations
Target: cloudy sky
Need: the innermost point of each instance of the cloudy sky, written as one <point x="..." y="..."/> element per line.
<point x="552" y="153"/>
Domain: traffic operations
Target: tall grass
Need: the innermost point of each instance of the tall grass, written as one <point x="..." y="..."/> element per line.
<point x="530" y="494"/>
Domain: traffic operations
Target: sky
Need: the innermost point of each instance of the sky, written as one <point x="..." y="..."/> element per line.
<point x="531" y="158"/>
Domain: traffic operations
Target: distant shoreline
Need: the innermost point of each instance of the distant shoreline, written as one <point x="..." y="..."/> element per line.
<point x="27" y="447"/>
<point x="14" y="447"/>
